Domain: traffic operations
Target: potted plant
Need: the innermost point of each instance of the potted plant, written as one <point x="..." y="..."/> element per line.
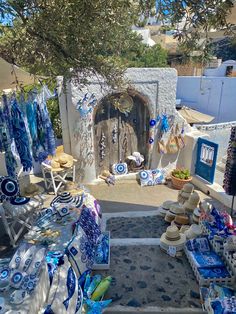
<point x="179" y="177"/>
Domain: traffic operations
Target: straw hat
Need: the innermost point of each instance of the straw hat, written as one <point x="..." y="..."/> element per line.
<point x="169" y="217"/>
<point x="72" y="188"/>
<point x="196" y="215"/>
<point x="188" y="188"/>
<point x="184" y="228"/>
<point x="192" y="202"/>
<point x="193" y="232"/>
<point x="165" y="207"/>
<point x="205" y="206"/>
<point x="68" y="199"/>
<point x="31" y="190"/>
<point x="65" y="160"/>
<point x="106" y="173"/>
<point x="55" y="165"/>
<point x="172" y="237"/>
<point x="177" y="209"/>
<point x="181" y="220"/>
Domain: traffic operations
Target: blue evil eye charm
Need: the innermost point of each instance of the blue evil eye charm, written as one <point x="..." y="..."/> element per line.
<point x="151" y="140"/>
<point x="152" y="123"/>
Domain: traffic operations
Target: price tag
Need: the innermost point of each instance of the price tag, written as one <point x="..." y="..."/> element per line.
<point x="172" y="251"/>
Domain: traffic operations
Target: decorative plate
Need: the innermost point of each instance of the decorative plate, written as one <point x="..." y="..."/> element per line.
<point x="9" y="188"/>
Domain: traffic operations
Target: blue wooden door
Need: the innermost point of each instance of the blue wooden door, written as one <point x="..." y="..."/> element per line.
<point x="206" y="159"/>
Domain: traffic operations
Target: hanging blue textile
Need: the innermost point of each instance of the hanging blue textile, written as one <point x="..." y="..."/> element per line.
<point x="5" y="145"/>
<point x="44" y="126"/>
<point x="21" y="137"/>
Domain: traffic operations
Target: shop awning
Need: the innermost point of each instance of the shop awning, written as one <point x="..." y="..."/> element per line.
<point x="194" y="116"/>
<point x="11" y="76"/>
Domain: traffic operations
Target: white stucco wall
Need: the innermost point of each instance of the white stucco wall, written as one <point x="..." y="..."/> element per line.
<point x="215" y="96"/>
<point x="221" y="70"/>
<point x="157" y="84"/>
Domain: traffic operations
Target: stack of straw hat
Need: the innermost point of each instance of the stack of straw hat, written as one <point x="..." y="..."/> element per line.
<point x="172" y="237"/>
<point x="175" y="210"/>
<point x="196" y="215"/>
<point x="192" y="202"/>
<point x="185" y="193"/>
<point x="193" y="232"/>
<point x="181" y="220"/>
<point x="163" y="209"/>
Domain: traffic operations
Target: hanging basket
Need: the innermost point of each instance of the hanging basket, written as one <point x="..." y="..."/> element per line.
<point x="179" y="183"/>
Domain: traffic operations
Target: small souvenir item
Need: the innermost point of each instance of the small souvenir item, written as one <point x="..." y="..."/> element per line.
<point x="151" y="140"/>
<point x="97" y="307"/>
<point x="62" y="211"/>
<point x="3" y="307"/>
<point x="93" y="285"/>
<point x="86" y="105"/>
<point x="161" y="147"/>
<point x="29" y="282"/>
<point x="9" y="188"/>
<point x="87" y="283"/>
<point x="16" y="278"/>
<point x="152" y="123"/>
<point x="28" y="257"/>
<point x="171" y="145"/>
<point x="4" y="279"/>
<point x="120" y="168"/>
<point x="19" y="296"/>
<point x="37" y="262"/>
<point x="102" y="152"/>
<point x="101" y="288"/>
<point x="124" y="103"/>
<point x="83" y="277"/>
<point x="164" y="124"/>
<point x="18" y="256"/>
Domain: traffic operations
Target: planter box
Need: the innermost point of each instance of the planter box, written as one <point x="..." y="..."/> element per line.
<point x="104" y="266"/>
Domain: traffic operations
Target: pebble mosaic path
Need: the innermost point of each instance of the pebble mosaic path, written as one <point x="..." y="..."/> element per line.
<point x="136" y="227"/>
<point x="146" y="276"/>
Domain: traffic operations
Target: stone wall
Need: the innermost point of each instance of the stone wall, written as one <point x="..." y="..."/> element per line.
<point x="158" y="85"/>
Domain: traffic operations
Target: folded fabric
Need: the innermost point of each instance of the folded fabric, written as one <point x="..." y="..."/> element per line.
<point x="198" y="244"/>
<point x="215" y="272"/>
<point x="206" y="259"/>
<point x="81" y="252"/>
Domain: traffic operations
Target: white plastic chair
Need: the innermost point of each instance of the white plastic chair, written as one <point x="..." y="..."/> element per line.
<point x="54" y="178"/>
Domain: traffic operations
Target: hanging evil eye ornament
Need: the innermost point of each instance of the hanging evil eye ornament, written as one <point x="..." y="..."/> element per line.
<point x="152" y="122"/>
<point x="165" y="124"/>
<point x="151" y="140"/>
<point x="86" y="105"/>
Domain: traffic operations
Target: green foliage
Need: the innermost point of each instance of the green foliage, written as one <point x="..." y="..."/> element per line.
<point x="182" y="174"/>
<point x="145" y="57"/>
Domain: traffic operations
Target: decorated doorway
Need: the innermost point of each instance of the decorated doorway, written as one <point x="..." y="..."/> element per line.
<point x="121" y="127"/>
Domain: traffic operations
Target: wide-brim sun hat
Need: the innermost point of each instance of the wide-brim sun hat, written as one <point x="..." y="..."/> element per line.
<point x="197" y="212"/>
<point x="172" y="237"/>
<point x="181" y="220"/>
<point x="205" y="206"/>
<point x="185" y="195"/>
<point x="193" y="232"/>
<point x="135" y="156"/>
<point x="65" y="160"/>
<point x="31" y="190"/>
<point x="192" y="202"/>
<point x="169" y="217"/>
<point x="167" y="204"/>
<point x="67" y="199"/>
<point x="72" y="188"/>
<point x="177" y="209"/>
<point x="188" y="188"/>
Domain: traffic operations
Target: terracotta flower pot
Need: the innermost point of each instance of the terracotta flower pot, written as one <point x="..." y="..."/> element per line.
<point x="179" y="183"/>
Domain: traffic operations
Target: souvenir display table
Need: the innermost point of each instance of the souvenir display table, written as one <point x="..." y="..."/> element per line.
<point x="53" y="264"/>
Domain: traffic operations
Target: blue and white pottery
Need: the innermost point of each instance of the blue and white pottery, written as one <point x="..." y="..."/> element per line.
<point x="16" y="278"/>
<point x="18" y="296"/>
<point x="5" y="279"/>
<point x="62" y="211"/>
<point x="28" y="258"/>
<point x="3" y="307"/>
<point x="37" y="262"/>
<point x="18" y="256"/>
<point x="29" y="282"/>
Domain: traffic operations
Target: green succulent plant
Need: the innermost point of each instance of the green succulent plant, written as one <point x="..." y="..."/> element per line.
<point x="182" y="174"/>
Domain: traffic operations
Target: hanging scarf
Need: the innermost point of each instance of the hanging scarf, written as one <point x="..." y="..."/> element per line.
<point x="44" y="126"/>
<point x="5" y="145"/>
<point x="20" y="136"/>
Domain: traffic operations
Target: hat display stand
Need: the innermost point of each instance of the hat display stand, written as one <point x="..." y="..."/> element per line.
<point x="229" y="183"/>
